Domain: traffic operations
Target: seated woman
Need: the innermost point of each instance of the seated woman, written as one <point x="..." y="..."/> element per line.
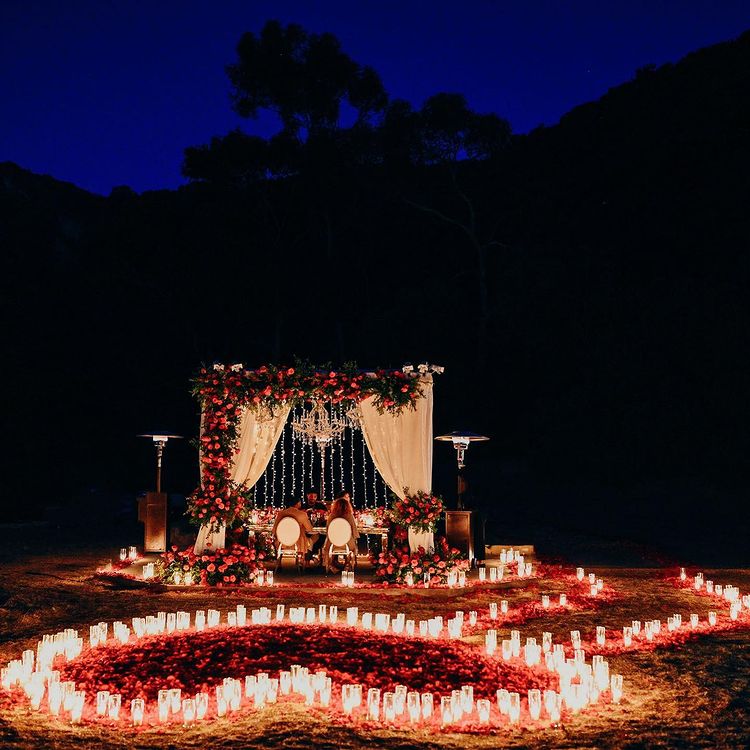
<point x="341" y="508"/>
<point x="294" y="510"/>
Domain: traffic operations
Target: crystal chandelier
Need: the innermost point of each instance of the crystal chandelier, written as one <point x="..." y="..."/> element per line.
<point x="317" y="426"/>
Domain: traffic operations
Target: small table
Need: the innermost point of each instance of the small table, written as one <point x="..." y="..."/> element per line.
<point x="381" y="531"/>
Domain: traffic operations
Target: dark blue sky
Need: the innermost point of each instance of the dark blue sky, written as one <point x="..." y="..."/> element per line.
<point x="105" y="93"/>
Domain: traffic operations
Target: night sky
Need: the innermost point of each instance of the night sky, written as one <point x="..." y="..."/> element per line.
<point x="110" y="93"/>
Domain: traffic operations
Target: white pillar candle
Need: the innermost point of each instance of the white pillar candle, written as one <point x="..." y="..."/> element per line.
<point x="616" y="687"/>
<point x="137" y="708"/>
<point x="504" y="606"/>
<point x="580" y="573"/>
<point x="514" y="707"/>
<point x="482" y="573"/>
<point x="683" y="575"/>
<point x="164" y="705"/>
<point x="493" y="610"/>
<point x="201" y="705"/>
<point x="76" y="708"/>
<point x="506" y="649"/>
<point x="493" y="574"/>
<point x="483" y="710"/>
<point x="627" y="636"/>
<point x="113" y="706"/>
<point x="389" y="706"/>
<point x="552" y="704"/>
<point x="102" y="701"/>
<point x="546" y="641"/>
<point x="545" y="601"/>
<point x="373" y="704"/>
<point x="352" y="615"/>
<point x="601" y="635"/>
<point x="712" y="618"/>
<point x="427" y="705"/>
<point x="490" y="641"/>
<point x="535" y="703"/>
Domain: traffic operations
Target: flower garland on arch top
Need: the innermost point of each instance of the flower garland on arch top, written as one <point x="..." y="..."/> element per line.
<point x="224" y="392"/>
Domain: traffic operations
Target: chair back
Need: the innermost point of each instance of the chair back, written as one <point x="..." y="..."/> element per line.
<point x="288" y="531"/>
<point x="339" y="532"/>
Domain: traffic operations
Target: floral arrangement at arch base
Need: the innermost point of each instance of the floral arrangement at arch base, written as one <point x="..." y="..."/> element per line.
<point x="223" y="567"/>
<point x="419" y="510"/>
<point x="395" y="565"/>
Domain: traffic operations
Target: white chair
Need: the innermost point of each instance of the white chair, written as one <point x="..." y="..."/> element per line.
<point x="339" y="535"/>
<point x="288" y="535"/>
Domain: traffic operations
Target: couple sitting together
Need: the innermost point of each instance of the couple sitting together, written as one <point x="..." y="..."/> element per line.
<point x="311" y="542"/>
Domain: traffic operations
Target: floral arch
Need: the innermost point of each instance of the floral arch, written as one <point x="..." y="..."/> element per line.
<point x="243" y="413"/>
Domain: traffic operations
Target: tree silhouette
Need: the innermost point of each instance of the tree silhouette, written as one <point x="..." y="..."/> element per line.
<point x="304" y="78"/>
<point x="436" y="145"/>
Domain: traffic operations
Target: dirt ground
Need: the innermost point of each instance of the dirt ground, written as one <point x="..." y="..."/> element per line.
<point x="696" y="695"/>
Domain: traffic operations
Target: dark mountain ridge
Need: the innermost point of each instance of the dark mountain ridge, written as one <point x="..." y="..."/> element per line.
<point x="618" y="328"/>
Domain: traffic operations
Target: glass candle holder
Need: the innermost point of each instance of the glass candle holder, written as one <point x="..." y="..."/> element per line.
<point x="427" y="705"/>
<point x="389" y="706"/>
<point x="514" y="707"/>
<point x="601" y="635"/>
<point x="483" y="710"/>
<point x="535" y="703"/>
<point x="137" y="707"/>
<point x="113" y="706"/>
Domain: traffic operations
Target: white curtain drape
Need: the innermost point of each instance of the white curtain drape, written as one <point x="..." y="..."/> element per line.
<point x="257" y="439"/>
<point x="401" y="446"/>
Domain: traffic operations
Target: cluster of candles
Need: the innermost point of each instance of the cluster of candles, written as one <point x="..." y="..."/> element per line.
<point x="128" y="553"/>
<point x="730" y="594"/>
<point x="595" y="584"/>
<point x="580" y="684"/>
<point x="347" y="578"/>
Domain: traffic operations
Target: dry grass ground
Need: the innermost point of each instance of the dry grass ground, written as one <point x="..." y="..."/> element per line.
<point x="693" y="696"/>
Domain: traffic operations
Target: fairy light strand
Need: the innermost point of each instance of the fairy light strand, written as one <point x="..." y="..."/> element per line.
<point x="364" y="470"/>
<point x="294" y="455"/>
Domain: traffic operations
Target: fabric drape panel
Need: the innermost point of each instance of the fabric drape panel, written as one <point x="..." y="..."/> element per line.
<point x="401" y="446"/>
<point x="257" y="441"/>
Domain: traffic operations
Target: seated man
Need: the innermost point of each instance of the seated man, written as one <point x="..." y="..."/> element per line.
<point x="317" y="510"/>
<point x="294" y="510"/>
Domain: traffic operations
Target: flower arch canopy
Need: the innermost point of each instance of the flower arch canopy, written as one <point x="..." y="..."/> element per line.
<point x="396" y="421"/>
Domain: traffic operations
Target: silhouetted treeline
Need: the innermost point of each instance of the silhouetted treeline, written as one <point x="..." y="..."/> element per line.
<point x="585" y="287"/>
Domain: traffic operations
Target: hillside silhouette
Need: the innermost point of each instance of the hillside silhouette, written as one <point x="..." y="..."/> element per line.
<point x="606" y="360"/>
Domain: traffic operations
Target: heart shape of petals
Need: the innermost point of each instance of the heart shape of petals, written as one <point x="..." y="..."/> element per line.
<point x="198" y="661"/>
